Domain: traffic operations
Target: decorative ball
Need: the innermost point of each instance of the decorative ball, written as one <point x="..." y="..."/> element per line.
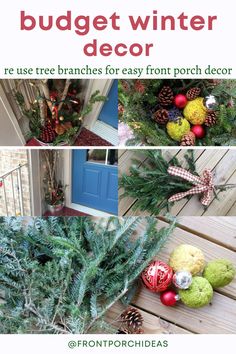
<point x="157" y="276"/>
<point x="1" y="183"/>
<point x="219" y="272"/>
<point x="199" y="293"/>
<point x="177" y="129"/>
<point x="61" y="118"/>
<point x="57" y="121"/>
<point x="169" y="298"/>
<point x="180" y="100"/>
<point x="211" y="103"/>
<point x="195" y="111"/>
<point x="182" y="279"/>
<point x="187" y="257"/>
<point x="198" y="131"/>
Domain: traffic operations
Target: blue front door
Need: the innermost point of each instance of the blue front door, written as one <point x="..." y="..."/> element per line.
<point x="109" y="112"/>
<point x="95" y="179"/>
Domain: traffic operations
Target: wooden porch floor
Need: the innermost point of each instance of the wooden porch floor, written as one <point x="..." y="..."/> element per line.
<point x="221" y="162"/>
<point x="216" y="237"/>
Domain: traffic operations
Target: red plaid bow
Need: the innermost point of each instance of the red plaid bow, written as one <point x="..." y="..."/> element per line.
<point x="202" y="184"/>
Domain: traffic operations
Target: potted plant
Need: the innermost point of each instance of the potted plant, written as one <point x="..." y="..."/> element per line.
<point x="54" y="190"/>
<point x="57" y="113"/>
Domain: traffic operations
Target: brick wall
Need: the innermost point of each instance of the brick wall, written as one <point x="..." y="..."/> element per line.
<point x="10" y="159"/>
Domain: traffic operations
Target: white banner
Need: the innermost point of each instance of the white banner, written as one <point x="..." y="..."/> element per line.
<point x="145" y="38"/>
<point x="168" y="344"/>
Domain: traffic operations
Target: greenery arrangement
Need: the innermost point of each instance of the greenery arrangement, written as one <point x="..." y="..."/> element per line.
<point x="151" y="184"/>
<point x="57" y="113"/>
<point x="147" y="106"/>
<point x="61" y="275"/>
<point x="54" y="190"/>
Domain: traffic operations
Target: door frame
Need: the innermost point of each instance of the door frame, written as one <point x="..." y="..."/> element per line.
<point x="67" y="161"/>
<point x="35" y="182"/>
<point x="103" y="86"/>
<point x="9" y="112"/>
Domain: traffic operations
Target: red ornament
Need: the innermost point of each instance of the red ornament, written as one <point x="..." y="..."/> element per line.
<point x="1" y="183"/>
<point x="198" y="131"/>
<point x="180" y="100"/>
<point x="169" y="298"/>
<point x="157" y="276"/>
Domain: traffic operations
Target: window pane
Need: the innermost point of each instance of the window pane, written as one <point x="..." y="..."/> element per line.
<point x="96" y="156"/>
<point x="113" y="157"/>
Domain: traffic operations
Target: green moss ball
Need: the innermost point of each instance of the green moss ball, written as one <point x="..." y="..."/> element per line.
<point x="187" y="257"/>
<point x="219" y="272"/>
<point x="199" y="293"/>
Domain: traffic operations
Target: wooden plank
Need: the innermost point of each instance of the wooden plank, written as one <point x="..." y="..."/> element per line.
<point x="219" y="317"/>
<point x="221" y="230"/>
<point x="210" y="250"/>
<point x="151" y="325"/>
<point x="208" y="159"/>
<point x="226" y="199"/>
<point x="124" y="164"/>
<point x="232" y="211"/>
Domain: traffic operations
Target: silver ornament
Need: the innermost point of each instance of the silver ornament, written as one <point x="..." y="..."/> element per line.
<point x="182" y="279"/>
<point x="211" y="102"/>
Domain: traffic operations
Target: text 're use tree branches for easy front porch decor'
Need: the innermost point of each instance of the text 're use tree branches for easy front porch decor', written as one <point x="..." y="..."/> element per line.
<point x="61" y="275"/>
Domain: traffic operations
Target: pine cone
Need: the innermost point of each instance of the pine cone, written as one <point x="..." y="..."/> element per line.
<point x="123" y="330"/>
<point x="132" y="318"/>
<point x="161" y="116"/>
<point x="139" y="86"/>
<point x="211" y="119"/>
<point x="125" y="85"/>
<point x="166" y="96"/>
<point x="188" y="139"/>
<point x="193" y="93"/>
<point x="47" y="134"/>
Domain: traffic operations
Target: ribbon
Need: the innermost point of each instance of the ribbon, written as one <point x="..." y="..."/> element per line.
<point x="202" y="184"/>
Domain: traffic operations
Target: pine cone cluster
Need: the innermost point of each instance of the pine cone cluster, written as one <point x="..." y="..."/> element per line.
<point x="193" y="93"/>
<point x="188" y="139"/>
<point x="166" y="96"/>
<point x="161" y="116"/>
<point x="132" y="321"/>
<point x="211" y="119"/>
<point x="48" y="134"/>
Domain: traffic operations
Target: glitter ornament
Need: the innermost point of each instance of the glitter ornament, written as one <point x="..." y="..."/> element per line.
<point x="187" y="257"/>
<point x="198" y="131"/>
<point x="195" y="111"/>
<point x="176" y="130"/>
<point x="182" y="279"/>
<point x="157" y="276"/>
<point x="61" y="118"/>
<point x="199" y="294"/>
<point x="211" y="103"/>
<point x="180" y="100"/>
<point x="219" y="272"/>
<point x="169" y="298"/>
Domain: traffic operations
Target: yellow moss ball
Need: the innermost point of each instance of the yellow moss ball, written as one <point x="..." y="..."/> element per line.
<point x="178" y="129"/>
<point x="187" y="257"/>
<point x="195" y="111"/>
